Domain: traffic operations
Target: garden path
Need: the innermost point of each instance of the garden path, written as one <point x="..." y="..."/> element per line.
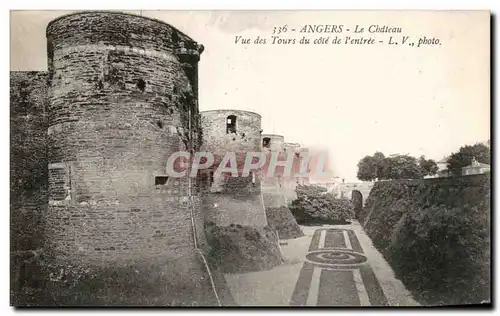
<point x="331" y="265"/>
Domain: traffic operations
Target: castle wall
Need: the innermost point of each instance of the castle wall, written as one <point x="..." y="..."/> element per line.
<point x="233" y="200"/>
<point x="273" y="186"/>
<point x="276" y="142"/>
<point x="28" y="158"/>
<point x="290" y="183"/>
<point x="344" y="190"/>
<point x="124" y="90"/>
<point x="303" y="153"/>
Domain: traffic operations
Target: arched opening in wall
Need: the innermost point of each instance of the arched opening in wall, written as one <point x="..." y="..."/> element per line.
<point x="266" y="142"/>
<point x="357" y="200"/>
<point x="231" y="124"/>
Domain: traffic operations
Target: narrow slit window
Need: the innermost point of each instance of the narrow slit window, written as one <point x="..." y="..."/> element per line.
<point x="231" y="124"/>
<point x="161" y="180"/>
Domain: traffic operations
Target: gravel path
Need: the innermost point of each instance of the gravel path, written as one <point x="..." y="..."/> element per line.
<point x="331" y="265"/>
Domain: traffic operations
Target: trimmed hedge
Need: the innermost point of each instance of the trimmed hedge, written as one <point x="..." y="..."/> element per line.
<point x="435" y="233"/>
<point x="314" y="206"/>
<point x="384" y="207"/>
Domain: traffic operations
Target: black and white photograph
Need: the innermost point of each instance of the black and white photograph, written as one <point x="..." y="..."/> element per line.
<point x="250" y="158"/>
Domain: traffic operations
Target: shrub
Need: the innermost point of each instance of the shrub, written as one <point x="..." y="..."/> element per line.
<point x="309" y="190"/>
<point x="435" y="234"/>
<point x="314" y="206"/>
<point x="384" y="207"/>
<point x="442" y="254"/>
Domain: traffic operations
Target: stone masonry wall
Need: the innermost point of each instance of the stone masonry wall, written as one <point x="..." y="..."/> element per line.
<point x="344" y="190"/>
<point x="233" y="200"/>
<point x="28" y="158"/>
<point x="124" y="89"/>
<point x="273" y="186"/>
<point x="290" y="183"/>
<point x="276" y="142"/>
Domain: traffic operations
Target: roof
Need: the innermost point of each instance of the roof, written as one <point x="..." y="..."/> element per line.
<point x="478" y="164"/>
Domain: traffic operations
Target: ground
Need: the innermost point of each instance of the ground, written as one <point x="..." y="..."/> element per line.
<point x="331" y="265"/>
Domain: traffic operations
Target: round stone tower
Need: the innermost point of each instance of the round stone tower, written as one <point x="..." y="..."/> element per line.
<point x="305" y="154"/>
<point x="123" y="99"/>
<point x="295" y="147"/>
<point x="290" y="183"/>
<point x="273" y="142"/>
<point x="273" y="185"/>
<point x="232" y="200"/>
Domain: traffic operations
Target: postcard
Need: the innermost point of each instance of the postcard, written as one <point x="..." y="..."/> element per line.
<point x="250" y="158"/>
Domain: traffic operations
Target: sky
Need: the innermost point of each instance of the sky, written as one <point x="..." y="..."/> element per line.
<point x="350" y="100"/>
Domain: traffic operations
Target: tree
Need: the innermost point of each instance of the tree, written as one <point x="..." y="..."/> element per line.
<point x="428" y="167"/>
<point x="381" y="166"/>
<point x="464" y="156"/>
<point x="378" y="167"/>
<point x="366" y="169"/>
<point x="372" y="168"/>
<point x="403" y="167"/>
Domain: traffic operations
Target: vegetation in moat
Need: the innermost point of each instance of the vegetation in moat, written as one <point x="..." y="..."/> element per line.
<point x="141" y="282"/>
<point x="435" y="234"/>
<point x="315" y="206"/>
<point x="281" y="220"/>
<point x="238" y="249"/>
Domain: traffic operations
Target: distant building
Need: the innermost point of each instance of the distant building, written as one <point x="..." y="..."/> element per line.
<point x="476" y="168"/>
<point x="442" y="168"/>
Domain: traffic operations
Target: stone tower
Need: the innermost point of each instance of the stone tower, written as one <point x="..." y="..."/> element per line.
<point x="273" y="142"/>
<point x="290" y="183"/>
<point x="305" y="155"/>
<point x="232" y="200"/>
<point x="123" y="98"/>
<point x="28" y="158"/>
<point x="273" y="186"/>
